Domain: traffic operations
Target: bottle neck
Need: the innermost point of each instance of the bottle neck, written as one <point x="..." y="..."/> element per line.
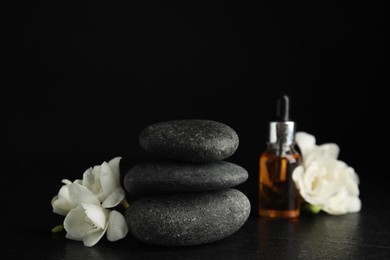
<point x="282" y="137"/>
<point x="282" y="133"/>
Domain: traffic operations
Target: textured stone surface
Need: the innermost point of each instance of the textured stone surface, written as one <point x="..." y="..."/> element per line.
<point x="188" y="219"/>
<point x="172" y="177"/>
<point x="190" y="140"/>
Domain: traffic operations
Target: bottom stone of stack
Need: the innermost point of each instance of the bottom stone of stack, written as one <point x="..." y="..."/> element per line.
<point x="188" y="218"/>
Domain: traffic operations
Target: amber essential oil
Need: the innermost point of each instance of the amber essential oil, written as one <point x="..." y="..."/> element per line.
<point x="278" y="197"/>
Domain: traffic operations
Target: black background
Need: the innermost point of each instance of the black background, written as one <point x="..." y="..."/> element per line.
<point x="87" y="76"/>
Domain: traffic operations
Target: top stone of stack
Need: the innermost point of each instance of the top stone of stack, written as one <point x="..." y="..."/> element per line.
<point x="190" y="140"/>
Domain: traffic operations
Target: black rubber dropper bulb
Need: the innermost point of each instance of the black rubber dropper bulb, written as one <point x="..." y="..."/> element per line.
<point x="283" y="108"/>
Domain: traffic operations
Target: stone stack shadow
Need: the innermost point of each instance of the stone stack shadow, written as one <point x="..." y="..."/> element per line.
<point x="186" y="196"/>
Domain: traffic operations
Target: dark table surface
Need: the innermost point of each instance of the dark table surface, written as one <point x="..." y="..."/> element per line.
<point x="364" y="235"/>
<point x="27" y="219"/>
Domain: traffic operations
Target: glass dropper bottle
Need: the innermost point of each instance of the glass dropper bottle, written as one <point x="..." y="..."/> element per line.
<point x="278" y="196"/>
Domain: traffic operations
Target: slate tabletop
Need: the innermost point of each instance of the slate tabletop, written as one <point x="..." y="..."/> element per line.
<point x="27" y="219"/>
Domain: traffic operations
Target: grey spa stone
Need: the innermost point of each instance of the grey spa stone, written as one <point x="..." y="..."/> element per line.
<point x="190" y="140"/>
<point x="161" y="177"/>
<point x="189" y="218"/>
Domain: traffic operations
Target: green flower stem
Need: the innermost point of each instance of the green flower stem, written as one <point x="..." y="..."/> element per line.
<point x="57" y="229"/>
<point x="124" y="203"/>
<point x="312" y="208"/>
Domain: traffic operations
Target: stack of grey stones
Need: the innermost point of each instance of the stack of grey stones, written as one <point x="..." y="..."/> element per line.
<point x="183" y="195"/>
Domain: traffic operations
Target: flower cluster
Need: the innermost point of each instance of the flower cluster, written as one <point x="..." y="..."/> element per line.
<point x="324" y="181"/>
<point x="87" y="204"/>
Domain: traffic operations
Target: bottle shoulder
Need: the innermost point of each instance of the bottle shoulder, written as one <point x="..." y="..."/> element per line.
<point x="291" y="154"/>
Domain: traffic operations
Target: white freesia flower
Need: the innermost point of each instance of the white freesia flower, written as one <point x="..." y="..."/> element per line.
<point x="325" y="181"/>
<point x="89" y="222"/>
<point x="104" y="181"/>
<point x="61" y="203"/>
<point x="71" y="195"/>
<point x="68" y="197"/>
<point x="85" y="204"/>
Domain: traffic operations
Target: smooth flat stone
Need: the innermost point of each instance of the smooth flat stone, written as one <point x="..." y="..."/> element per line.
<point x="150" y="178"/>
<point x="190" y="140"/>
<point x="189" y="218"/>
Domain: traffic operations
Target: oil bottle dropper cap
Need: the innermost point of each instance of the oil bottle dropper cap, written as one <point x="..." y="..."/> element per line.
<point x="282" y="131"/>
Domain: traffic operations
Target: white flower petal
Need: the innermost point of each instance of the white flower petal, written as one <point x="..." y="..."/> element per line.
<point x="64" y="192"/>
<point x="62" y="203"/>
<point x="69" y="236"/>
<point x="115" y="167"/>
<point x="109" y="182"/>
<point x="61" y="206"/>
<point x="325" y="151"/>
<point x="75" y="224"/>
<point x="117" y="226"/>
<point x="94" y="182"/>
<point x="97" y="169"/>
<point x="88" y="178"/>
<point x="54" y="199"/>
<point x="78" y="181"/>
<point x="66" y="181"/>
<point x="114" y="198"/>
<point x="329" y="150"/>
<point x="306" y="142"/>
<point x="338" y="204"/>
<point x="96" y="214"/>
<point x="354" y="205"/>
<point x="93" y="237"/>
<point x="80" y="194"/>
<point x="352" y="176"/>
